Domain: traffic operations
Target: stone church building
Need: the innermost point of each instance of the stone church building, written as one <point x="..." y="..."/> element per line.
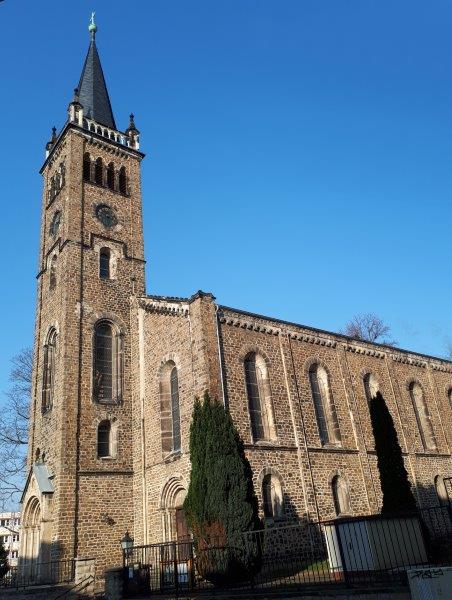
<point x="117" y="370"/>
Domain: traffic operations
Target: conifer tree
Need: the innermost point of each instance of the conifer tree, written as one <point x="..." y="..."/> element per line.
<point x="4" y="566"/>
<point x="221" y="504"/>
<point x="395" y="486"/>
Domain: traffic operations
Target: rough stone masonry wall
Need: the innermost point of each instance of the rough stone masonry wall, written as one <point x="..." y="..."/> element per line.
<point x="182" y="332"/>
<point x="289" y="351"/>
<point x="92" y="504"/>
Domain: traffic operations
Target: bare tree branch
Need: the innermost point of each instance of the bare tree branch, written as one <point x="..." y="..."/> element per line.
<point x="14" y="427"/>
<point x="370" y="328"/>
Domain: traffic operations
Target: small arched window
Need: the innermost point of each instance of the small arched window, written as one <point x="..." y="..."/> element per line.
<point x="107" y="363"/>
<point x="86" y="167"/>
<point x="371" y="386"/>
<point x="259" y="398"/>
<point x="422" y="416"/>
<point x="341" y="496"/>
<point x="272" y="497"/>
<point x="99" y="171"/>
<point x="48" y="371"/>
<point x="449" y="395"/>
<point x="104" y="263"/>
<point x="111" y="176"/>
<point x="53" y="277"/>
<point x="104" y="439"/>
<point x="122" y="180"/>
<point x="170" y="408"/>
<point x="324" y="406"/>
<point x="441" y="491"/>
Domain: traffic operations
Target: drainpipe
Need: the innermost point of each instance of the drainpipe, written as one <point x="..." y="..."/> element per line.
<point x="217" y="329"/>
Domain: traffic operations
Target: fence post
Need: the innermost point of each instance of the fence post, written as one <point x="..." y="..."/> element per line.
<point x="342" y="555"/>
<point x="114" y="584"/>
<point x="84" y="570"/>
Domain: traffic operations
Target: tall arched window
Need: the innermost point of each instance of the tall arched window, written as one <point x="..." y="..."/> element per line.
<point x="422" y="416"/>
<point x="107" y="363"/>
<point x="441" y="491"/>
<point x="341" y="496"/>
<point x="259" y="398"/>
<point x="99" y="172"/>
<point x="104" y="439"/>
<point x="104" y="263"/>
<point x="87" y="167"/>
<point x="111" y="176"/>
<point x="324" y="406"/>
<point x="48" y="371"/>
<point x="122" y="180"/>
<point x="272" y="497"/>
<point x="52" y="276"/>
<point x="170" y="408"/>
<point x="371" y="386"/>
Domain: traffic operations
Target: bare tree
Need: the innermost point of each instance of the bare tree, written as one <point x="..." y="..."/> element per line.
<point x="14" y="427"/>
<point x="370" y="328"/>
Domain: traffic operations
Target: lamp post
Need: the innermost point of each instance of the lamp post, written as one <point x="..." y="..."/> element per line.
<point x="126" y="545"/>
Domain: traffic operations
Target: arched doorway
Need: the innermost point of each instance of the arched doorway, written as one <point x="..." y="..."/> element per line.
<point x="175" y="528"/>
<point x="31" y="539"/>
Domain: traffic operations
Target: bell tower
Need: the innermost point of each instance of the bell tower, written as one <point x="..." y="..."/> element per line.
<point x="78" y="496"/>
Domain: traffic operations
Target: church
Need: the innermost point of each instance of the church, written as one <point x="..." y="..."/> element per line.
<point x="116" y="372"/>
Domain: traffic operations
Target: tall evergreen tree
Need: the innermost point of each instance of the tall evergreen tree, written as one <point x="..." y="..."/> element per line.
<point x="221" y="504"/>
<point x="395" y="486"/>
<point x="4" y="566"/>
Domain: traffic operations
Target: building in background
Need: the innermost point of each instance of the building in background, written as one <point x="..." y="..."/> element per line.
<point x="10" y="535"/>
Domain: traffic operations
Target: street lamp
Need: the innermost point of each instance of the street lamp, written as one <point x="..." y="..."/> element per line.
<point x="126" y="545"/>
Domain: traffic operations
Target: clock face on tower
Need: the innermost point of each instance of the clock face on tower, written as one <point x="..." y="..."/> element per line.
<point x="55" y="224"/>
<point x="106" y="215"/>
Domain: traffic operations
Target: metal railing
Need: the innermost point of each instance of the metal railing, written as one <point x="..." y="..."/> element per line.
<point x="368" y="550"/>
<point x="39" y="573"/>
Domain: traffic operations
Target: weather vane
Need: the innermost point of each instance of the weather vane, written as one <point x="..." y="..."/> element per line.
<point x="92" y="25"/>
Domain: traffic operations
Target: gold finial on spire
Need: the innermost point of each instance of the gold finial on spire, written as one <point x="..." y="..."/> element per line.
<point x="92" y="28"/>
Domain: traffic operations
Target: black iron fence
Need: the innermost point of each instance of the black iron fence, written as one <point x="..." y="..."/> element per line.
<point x="39" y="573"/>
<point x="354" y="551"/>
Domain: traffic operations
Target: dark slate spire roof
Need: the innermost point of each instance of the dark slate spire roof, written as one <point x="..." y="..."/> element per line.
<point x="92" y="89"/>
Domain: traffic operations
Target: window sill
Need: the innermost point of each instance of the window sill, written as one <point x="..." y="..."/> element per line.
<point x="105" y="187"/>
<point x="172" y="456"/>
<point x="107" y="458"/>
<point x="265" y="443"/>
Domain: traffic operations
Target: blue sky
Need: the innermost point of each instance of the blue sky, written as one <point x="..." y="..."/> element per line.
<point x="299" y="152"/>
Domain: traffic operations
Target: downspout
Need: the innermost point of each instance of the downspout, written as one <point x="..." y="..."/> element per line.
<point x="142" y="421"/>
<point x="220" y="358"/>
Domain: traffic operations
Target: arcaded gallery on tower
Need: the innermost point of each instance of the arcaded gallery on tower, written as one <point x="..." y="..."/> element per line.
<point x="117" y="371"/>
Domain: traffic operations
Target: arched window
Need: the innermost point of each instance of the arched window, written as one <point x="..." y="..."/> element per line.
<point x="449" y="395"/>
<point x="111" y="176"/>
<point x="52" y="277"/>
<point x="170" y="408"/>
<point x="422" y="416"/>
<point x="259" y="398"/>
<point x="272" y="497"/>
<point x="122" y="180"/>
<point x="107" y="363"/>
<point x="324" y="406"/>
<point x="104" y="439"/>
<point x="441" y="491"/>
<point x="104" y="263"/>
<point x="48" y="371"/>
<point x="86" y="167"/>
<point x="371" y="386"/>
<point x="341" y="496"/>
<point x="99" y="172"/>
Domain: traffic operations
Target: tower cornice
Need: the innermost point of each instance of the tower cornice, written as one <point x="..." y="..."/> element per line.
<point x="93" y="136"/>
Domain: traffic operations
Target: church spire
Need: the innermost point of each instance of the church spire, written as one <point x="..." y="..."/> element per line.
<point x="92" y="89"/>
